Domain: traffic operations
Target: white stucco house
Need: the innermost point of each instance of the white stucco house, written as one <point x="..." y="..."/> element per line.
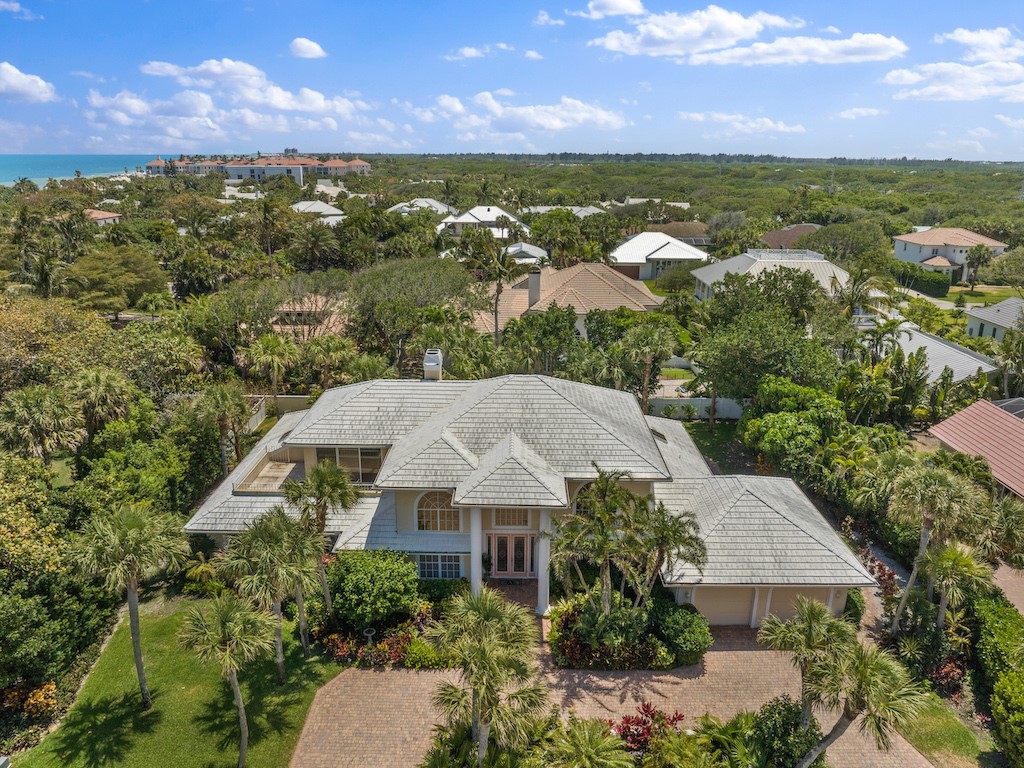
<point x="996" y="320"/>
<point x="481" y="217"/>
<point x="942" y="249"/>
<point x="454" y="471"/>
<point x="646" y="255"/>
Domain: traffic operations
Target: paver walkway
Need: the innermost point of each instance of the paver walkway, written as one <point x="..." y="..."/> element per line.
<point x="383" y="719"/>
<point x="1011" y="581"/>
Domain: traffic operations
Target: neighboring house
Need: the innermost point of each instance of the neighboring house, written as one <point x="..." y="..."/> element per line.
<point x="457" y="473"/>
<point x="481" y="217"/>
<point x="296" y="166"/>
<point x="994" y="431"/>
<point x="157" y="167"/>
<point x="579" y="211"/>
<point x="943" y="353"/>
<point x="942" y="249"/>
<point x="102" y="218"/>
<point x="996" y="320"/>
<point x="309" y="316"/>
<point x="527" y="253"/>
<point x="690" y="232"/>
<point x="646" y="255"/>
<point x="754" y="262"/>
<point x="785" y="238"/>
<point x="643" y="201"/>
<point x="584" y="287"/>
<point x="424" y="203"/>
<point x="317" y="207"/>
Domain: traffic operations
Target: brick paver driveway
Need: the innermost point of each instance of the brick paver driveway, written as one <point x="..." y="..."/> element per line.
<point x="383" y="718"/>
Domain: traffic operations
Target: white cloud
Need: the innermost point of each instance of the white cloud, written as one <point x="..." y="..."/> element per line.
<point x="680" y="35"/>
<point x="988" y="69"/>
<point x="544" y="20"/>
<point x="304" y="48"/>
<point x="598" y="9"/>
<point x="504" y="92"/>
<point x="533" y="55"/>
<point x="1011" y="122"/>
<point x="87" y="75"/>
<point x="980" y="133"/>
<point x="858" y="112"/>
<point x="21" y="86"/>
<point x="19" y="11"/>
<point x="959" y="145"/>
<point x="737" y="124"/>
<point x="477" y="52"/>
<point x="249" y="86"/>
<point x="832" y="30"/>
<point x="809" y="50"/>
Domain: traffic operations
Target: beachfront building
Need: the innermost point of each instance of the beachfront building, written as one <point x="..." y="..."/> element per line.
<point x="463" y="475"/>
<point x="299" y="168"/>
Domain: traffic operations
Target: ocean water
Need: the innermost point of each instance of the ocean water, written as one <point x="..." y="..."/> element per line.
<point x="39" y="168"/>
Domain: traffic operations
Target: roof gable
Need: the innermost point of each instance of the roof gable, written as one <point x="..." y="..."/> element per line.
<point x="511" y="470"/>
<point x="984" y="429"/>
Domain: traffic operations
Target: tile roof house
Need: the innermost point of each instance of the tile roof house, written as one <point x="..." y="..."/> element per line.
<point x="579" y="211"/>
<point x="454" y="471"/>
<point x="646" y="255"/>
<point x="996" y="320"/>
<point x="583" y="287"/>
<point x="102" y="218"/>
<point x="786" y="237"/>
<point x="942" y="249"/>
<point x="481" y="216"/>
<point x="756" y="261"/>
<point x="943" y="354"/>
<point x="423" y="203"/>
<point x="994" y="433"/>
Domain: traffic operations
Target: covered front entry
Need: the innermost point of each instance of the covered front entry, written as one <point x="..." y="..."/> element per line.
<point x="512" y="555"/>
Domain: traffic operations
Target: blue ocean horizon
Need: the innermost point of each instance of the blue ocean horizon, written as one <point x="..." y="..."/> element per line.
<point x="40" y="168"/>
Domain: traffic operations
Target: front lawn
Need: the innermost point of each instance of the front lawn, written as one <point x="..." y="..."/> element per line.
<point x="722" y="447"/>
<point x="677" y="374"/>
<point x="991" y="294"/>
<point x="941" y="736"/>
<point x="193" y="720"/>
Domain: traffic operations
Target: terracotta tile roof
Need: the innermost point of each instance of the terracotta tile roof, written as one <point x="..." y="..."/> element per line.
<point x="787" y="236"/>
<point x="984" y="429"/>
<point x="336" y="163"/>
<point x="949" y="236"/>
<point x="95" y="215"/>
<point x="158" y="161"/>
<point x="937" y="261"/>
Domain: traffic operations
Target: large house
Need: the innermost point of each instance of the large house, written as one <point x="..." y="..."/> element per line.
<point x="646" y="255"/>
<point x="996" y="320"/>
<point x="299" y="168"/>
<point x="410" y="207"/>
<point x="466" y="474"/>
<point x="579" y="211"/>
<point x="584" y="287"/>
<point x="102" y="218"/>
<point x="942" y="249"/>
<point x="483" y="217"/>
<point x="994" y="431"/>
<point x="756" y="261"/>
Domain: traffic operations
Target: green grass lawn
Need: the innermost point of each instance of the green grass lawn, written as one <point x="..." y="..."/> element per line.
<point x="941" y="736"/>
<point x="983" y="293"/>
<point x="676" y="373"/>
<point x="653" y="289"/>
<point x="722" y="447"/>
<point x="193" y="721"/>
<point x="62" y="470"/>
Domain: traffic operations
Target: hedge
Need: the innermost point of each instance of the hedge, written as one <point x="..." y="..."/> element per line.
<point x="1000" y="629"/>
<point x="684" y="631"/>
<point x="855" y="606"/>
<point x="1007" y="704"/>
<point x="917" y="278"/>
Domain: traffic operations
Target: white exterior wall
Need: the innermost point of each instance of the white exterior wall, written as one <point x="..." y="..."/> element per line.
<point x="980" y="328"/>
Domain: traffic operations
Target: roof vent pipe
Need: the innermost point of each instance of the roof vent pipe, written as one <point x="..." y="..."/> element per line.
<point x="433" y="362"/>
<point x="533" y="287"/>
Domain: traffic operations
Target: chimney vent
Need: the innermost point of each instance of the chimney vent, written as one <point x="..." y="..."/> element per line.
<point x="433" y="361"/>
<point x="533" y="287"/>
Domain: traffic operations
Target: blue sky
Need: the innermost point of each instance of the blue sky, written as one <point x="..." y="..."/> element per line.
<point x="859" y="79"/>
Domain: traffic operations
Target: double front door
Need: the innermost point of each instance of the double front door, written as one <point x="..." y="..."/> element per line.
<point x="512" y="554"/>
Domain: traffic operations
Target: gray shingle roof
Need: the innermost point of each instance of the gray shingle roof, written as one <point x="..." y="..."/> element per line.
<point x="510" y="470"/>
<point x="760" y="530"/>
<point x="941" y="353"/>
<point x="681" y="454"/>
<point x="1005" y="314"/>
<point x="756" y="261"/>
<point x="376" y="528"/>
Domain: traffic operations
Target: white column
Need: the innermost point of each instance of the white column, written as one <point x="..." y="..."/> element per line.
<point x="476" y="550"/>
<point x="768" y="604"/>
<point x="753" y="608"/>
<point x="543" y="560"/>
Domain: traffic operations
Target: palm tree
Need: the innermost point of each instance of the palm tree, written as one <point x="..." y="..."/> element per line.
<point x="104" y="396"/>
<point x="154" y="302"/>
<point x="656" y="539"/>
<point x="491" y="643"/>
<point x="74" y="230"/>
<point x="38" y="420"/>
<point x="494" y="263"/>
<point x="864" y="681"/>
<point x="327" y="487"/>
<point x="646" y="343"/>
<point x="882" y="338"/>
<point x="1001" y="538"/>
<point x="125" y="547"/>
<point x="233" y="634"/>
<point x="305" y="550"/>
<point x="47" y="273"/>
<point x="862" y="290"/>
<point x="956" y="570"/>
<point x="273" y="353"/>
<point x="812" y="635"/>
<point x="329" y="352"/>
<point x="938" y="501"/>
<point x="256" y="561"/>
<point x="587" y="744"/>
<point x="225" y="405"/>
<point x="269" y="217"/>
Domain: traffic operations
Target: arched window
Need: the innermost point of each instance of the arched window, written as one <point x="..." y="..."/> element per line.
<point x="434" y="512"/>
<point x="580" y="504"/>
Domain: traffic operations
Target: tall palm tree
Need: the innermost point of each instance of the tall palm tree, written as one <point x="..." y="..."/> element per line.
<point x="491" y="643"/>
<point x="255" y="561"/>
<point x="865" y="681"/>
<point x="225" y="405"/>
<point x="813" y="634"/>
<point x="269" y="217"/>
<point x="587" y="744"/>
<point x="329" y="352"/>
<point x="862" y="290"/>
<point x="124" y="547"/>
<point x="489" y="257"/>
<point x="304" y="549"/>
<point x="647" y="343"/>
<point x="935" y="499"/>
<point x="656" y="539"/>
<point x="1001" y="535"/>
<point x="38" y="420"/>
<point x="233" y="634"/>
<point x="956" y="570"/>
<point x="881" y="338"/>
<point x="47" y="273"/>
<point x="74" y="231"/>
<point x="273" y="353"/>
<point x="103" y="394"/>
<point x="327" y="487"/>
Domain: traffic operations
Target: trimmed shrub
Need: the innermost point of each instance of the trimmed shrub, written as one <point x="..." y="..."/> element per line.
<point x="853" y="611"/>
<point x="778" y="734"/>
<point x="569" y="649"/>
<point x="1007" y="704"/>
<point x="438" y="590"/>
<point x="422" y="655"/>
<point x="685" y="632"/>
<point x="1000" y="629"/>
<point x="369" y="586"/>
